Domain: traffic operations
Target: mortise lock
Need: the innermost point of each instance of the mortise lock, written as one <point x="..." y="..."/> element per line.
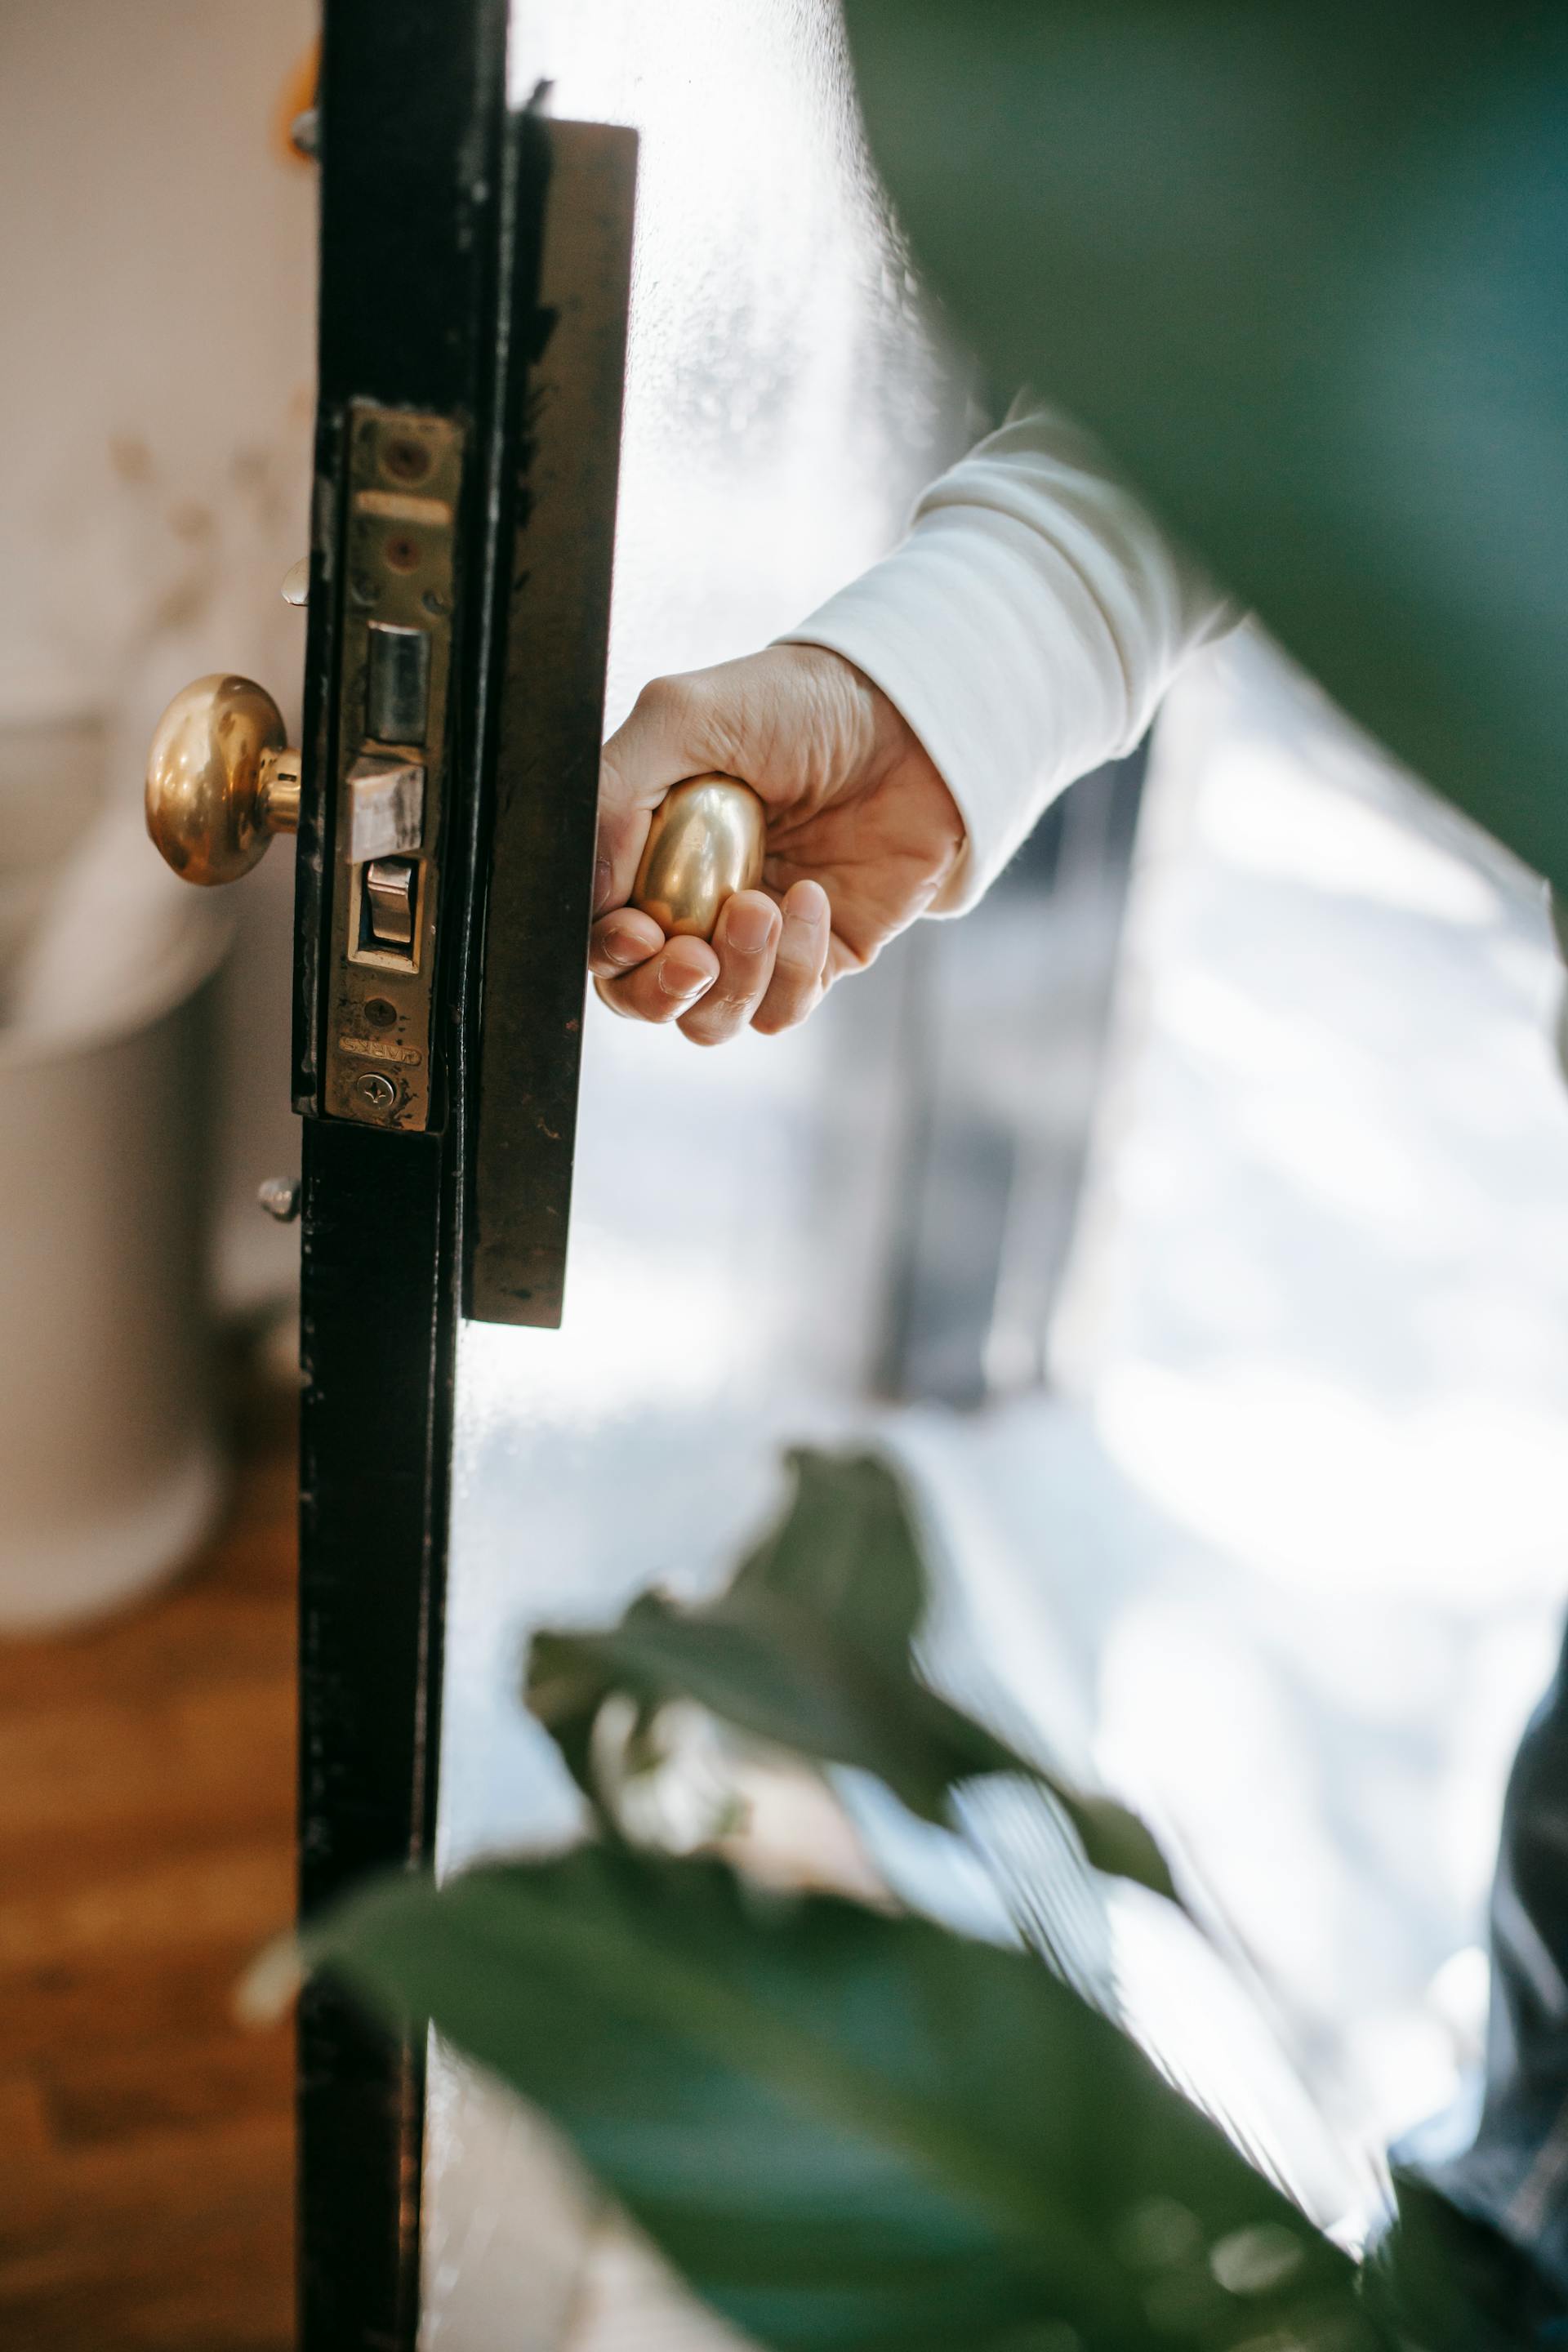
<point x="398" y="561"/>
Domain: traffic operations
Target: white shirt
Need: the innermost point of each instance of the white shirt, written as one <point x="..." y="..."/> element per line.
<point x="1027" y="628"/>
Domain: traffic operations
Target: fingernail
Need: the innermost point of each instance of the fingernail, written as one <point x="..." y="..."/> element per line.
<point x="680" y="981"/>
<point x="600" y="883"/>
<point x="749" y="929"/>
<point x="621" y="948"/>
<point x="806" y="914"/>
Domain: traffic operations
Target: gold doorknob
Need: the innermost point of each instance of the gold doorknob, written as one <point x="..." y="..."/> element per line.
<point x="221" y="780"/>
<point x="704" y="844"/>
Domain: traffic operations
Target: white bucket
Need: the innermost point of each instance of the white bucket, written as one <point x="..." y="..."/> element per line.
<point x="111" y="1467"/>
<point x="110" y="1471"/>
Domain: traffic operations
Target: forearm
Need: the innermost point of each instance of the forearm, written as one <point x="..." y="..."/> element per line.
<point x="1027" y="627"/>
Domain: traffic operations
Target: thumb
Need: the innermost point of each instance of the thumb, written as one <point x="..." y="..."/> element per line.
<point x="666" y="739"/>
<point x="623" y="830"/>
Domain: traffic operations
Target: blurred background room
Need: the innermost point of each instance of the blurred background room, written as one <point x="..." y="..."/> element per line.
<point x="157" y="274"/>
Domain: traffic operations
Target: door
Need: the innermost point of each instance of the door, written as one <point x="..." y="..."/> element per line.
<point x="432" y="202"/>
<point x="458" y="594"/>
<point x="474" y="288"/>
<point x="486" y="1448"/>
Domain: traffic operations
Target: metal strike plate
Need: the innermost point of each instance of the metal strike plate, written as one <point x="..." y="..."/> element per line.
<point x="392" y="761"/>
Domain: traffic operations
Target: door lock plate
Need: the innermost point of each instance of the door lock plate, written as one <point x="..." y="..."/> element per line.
<point x="392" y="761"/>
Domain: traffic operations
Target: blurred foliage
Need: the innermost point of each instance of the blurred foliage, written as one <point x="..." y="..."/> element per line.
<point x="852" y="2133"/>
<point x="810" y="1647"/>
<point x="1304" y="267"/>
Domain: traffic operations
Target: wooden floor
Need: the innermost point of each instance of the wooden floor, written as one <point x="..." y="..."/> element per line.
<point x="146" y="1837"/>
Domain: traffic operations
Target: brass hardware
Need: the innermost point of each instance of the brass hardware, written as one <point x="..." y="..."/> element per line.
<point x="704" y="844"/>
<point x="386" y="808"/>
<point x="281" y="790"/>
<point x="399" y="505"/>
<point x="374" y="1092"/>
<point x="398" y="694"/>
<point x="221" y="780"/>
<point x="389" y="889"/>
<point x="389" y="939"/>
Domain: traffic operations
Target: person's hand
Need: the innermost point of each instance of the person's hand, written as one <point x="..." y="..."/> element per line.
<point x="862" y="833"/>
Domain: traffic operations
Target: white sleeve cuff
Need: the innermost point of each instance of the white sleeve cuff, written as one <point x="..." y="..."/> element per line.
<point x="1025" y="628"/>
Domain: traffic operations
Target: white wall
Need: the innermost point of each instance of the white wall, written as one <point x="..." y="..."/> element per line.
<point x="156" y="356"/>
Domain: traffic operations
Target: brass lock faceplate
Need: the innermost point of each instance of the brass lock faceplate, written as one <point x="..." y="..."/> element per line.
<point x="392" y="763"/>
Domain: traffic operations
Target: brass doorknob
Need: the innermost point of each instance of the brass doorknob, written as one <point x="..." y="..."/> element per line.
<point x="704" y="844"/>
<point x="221" y="780"/>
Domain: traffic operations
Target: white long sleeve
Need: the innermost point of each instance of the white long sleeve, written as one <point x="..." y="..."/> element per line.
<point x="1027" y="628"/>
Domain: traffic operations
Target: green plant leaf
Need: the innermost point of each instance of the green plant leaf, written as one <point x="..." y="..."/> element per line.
<point x="1438" y="2280"/>
<point x="846" y="1550"/>
<point x="1305" y="269"/>
<point x="852" y="2133"/>
<point x="810" y="1648"/>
